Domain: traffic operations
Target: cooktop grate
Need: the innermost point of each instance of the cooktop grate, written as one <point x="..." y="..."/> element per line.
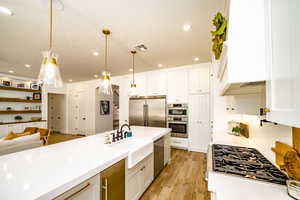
<point x="246" y="162"/>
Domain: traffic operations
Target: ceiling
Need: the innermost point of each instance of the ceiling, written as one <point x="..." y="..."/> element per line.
<point x="77" y="34"/>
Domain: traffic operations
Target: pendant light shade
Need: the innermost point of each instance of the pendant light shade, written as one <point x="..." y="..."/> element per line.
<point x="105" y="84"/>
<point x="133" y="91"/>
<point x="49" y="73"/>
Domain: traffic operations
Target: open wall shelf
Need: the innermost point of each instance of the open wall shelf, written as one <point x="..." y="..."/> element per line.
<point x="18" y="89"/>
<point x="21" y="122"/>
<point x="7" y="112"/>
<point x="4" y="99"/>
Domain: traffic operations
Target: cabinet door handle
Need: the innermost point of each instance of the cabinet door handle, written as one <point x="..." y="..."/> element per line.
<point x="79" y="191"/>
<point x="105" y="188"/>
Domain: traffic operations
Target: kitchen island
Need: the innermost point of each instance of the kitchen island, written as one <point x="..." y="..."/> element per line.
<point x="49" y="171"/>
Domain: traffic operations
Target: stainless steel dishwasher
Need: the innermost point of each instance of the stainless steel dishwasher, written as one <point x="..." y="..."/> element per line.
<point x="158" y="156"/>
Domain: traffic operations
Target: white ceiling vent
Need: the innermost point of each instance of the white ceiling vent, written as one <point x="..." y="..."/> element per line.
<point x="141" y="47"/>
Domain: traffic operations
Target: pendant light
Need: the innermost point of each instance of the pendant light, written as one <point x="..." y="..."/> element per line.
<point x="105" y="85"/>
<point x="133" y="91"/>
<point x="49" y="73"/>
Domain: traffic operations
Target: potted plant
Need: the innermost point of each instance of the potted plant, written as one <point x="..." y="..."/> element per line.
<point x="18" y="118"/>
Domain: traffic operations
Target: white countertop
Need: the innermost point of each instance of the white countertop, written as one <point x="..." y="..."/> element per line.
<point x="230" y="187"/>
<point x="46" y="172"/>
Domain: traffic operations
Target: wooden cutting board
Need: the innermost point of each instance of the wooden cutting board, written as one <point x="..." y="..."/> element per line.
<point x="296" y="139"/>
<point x="280" y="150"/>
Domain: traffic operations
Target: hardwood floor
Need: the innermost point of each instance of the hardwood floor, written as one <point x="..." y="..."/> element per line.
<point x="183" y="179"/>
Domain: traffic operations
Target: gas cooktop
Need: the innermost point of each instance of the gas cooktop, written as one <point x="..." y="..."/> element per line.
<point x="246" y="162"/>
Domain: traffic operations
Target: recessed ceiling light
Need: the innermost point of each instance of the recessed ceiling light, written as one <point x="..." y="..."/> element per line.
<point x="6" y="11"/>
<point x="11" y="71"/>
<point x="130" y="69"/>
<point x="196" y="59"/>
<point x="95" y="53"/>
<point x="27" y="65"/>
<point x="187" y="27"/>
<point x="160" y="65"/>
<point x="70" y="80"/>
<point x="96" y="76"/>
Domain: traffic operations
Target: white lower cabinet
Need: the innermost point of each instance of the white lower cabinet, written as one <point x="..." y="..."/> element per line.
<point x="181" y="143"/>
<point x="89" y="190"/>
<point x="139" y="178"/>
<point x="167" y="148"/>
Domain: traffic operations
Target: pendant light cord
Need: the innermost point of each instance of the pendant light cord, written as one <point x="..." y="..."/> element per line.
<point x="133" y="68"/>
<point x="106" y="53"/>
<point x="51" y="27"/>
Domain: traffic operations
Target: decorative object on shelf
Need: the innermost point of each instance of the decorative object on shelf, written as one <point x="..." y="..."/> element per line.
<point x="28" y="98"/>
<point x="133" y="85"/>
<point x="8" y="108"/>
<point x="35" y="86"/>
<point x="105" y="85"/>
<point x="238" y="130"/>
<point x="20" y="85"/>
<point x="37" y="96"/>
<point x="6" y="83"/>
<point x="49" y="73"/>
<point x="36" y="118"/>
<point x="219" y="35"/>
<point x="26" y="108"/>
<point x="18" y="118"/>
<point x="104" y="107"/>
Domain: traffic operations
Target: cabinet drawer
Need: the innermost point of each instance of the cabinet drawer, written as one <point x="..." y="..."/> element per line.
<point x="179" y="142"/>
<point x="89" y="189"/>
<point x="137" y="167"/>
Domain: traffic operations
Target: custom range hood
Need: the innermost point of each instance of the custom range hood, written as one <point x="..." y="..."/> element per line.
<point x="244" y="88"/>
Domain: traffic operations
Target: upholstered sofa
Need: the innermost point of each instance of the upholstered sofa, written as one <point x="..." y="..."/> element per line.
<point x="20" y="144"/>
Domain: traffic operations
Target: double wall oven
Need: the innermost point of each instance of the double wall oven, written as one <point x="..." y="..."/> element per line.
<point x="178" y="120"/>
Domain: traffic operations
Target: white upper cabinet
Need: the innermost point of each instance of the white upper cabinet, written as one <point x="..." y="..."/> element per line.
<point x="198" y="79"/>
<point x="246" y="41"/>
<point x="283" y="61"/>
<point x="177" y="86"/>
<point x="157" y="83"/>
<point x="246" y="50"/>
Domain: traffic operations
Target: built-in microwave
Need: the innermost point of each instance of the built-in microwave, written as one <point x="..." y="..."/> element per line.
<point x="177" y="110"/>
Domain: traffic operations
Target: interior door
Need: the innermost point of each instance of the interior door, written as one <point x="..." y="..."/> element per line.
<point x="156" y="112"/>
<point x="283" y="83"/>
<point x="137" y="112"/>
<point x="83" y="112"/>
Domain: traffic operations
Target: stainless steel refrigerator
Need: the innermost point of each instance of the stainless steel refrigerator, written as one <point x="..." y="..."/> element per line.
<point x="148" y="111"/>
